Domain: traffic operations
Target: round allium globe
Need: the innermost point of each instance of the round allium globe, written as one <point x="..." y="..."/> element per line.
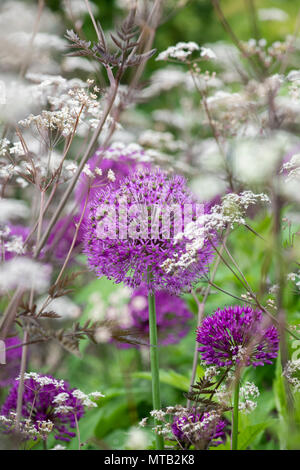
<point x="205" y="428"/>
<point x="236" y="334"/>
<point x="125" y="237"/>
<point x="172" y="316"/>
<point x="40" y="393"/>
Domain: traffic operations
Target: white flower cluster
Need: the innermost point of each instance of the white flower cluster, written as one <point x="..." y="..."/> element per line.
<point x="292" y="167"/>
<point x="62" y="306"/>
<point x="77" y="8"/>
<point x="24" y="273"/>
<point x="248" y="393"/>
<point x="42" y="380"/>
<point x="11" y="209"/>
<point x="87" y="400"/>
<point x="211" y="372"/>
<point x="272" y="14"/>
<point x="267" y="54"/>
<point x="26" y="426"/>
<point x="59" y="447"/>
<point x="207" y="53"/>
<point x="182" y="50"/>
<point x="4" y="147"/>
<point x="161" y="140"/>
<point x="116" y="149"/>
<point x="240" y="354"/>
<point x="292" y="373"/>
<point x="60" y="398"/>
<point x="45" y="427"/>
<point x="10" y="167"/>
<point x="48" y="165"/>
<point x="62" y="121"/>
<point x="158" y="414"/>
<point x="166" y="79"/>
<point x="137" y="439"/>
<point x="11" y="243"/>
<point x="15" y="245"/>
<point x="223" y="395"/>
<point x="195" y="432"/>
<point x="294" y="277"/>
<point x="72" y="104"/>
<point x="63" y="409"/>
<point x="231" y="211"/>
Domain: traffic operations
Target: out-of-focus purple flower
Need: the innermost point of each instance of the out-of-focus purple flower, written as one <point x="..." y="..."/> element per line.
<point x="61" y="238"/>
<point x="125" y="236"/>
<point x="236" y="334"/>
<point x="46" y="399"/>
<point x="10" y="370"/>
<point x="172" y="316"/>
<point x="201" y="430"/>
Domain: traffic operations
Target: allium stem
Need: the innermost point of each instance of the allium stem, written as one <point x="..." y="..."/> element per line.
<point x="154" y="361"/>
<point x="235" y="416"/>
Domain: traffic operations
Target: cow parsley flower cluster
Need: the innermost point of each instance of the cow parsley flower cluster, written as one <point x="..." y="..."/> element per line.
<point x="201" y="231"/>
<point x="182" y="50"/>
<point x="26" y="274"/>
<point x="190" y="427"/>
<point x="292" y="373"/>
<point x="248" y="393"/>
<point x="48" y="405"/>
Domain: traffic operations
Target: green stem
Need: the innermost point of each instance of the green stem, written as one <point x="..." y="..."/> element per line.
<point x="235" y="416"/>
<point x="154" y="362"/>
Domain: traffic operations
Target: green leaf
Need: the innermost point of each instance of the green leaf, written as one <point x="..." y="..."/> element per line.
<point x="114" y="416"/>
<point x="250" y="433"/>
<point x="168" y="377"/>
<point x="281" y="404"/>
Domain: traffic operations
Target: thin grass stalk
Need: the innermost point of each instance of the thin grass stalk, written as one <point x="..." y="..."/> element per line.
<point x="154" y="361"/>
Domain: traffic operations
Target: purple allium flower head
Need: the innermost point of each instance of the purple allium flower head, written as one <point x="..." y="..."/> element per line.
<point x="196" y="428"/>
<point x="125" y="236"/>
<point x="229" y="334"/>
<point x="13" y="359"/>
<point x="40" y="392"/>
<point x="172" y="316"/>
